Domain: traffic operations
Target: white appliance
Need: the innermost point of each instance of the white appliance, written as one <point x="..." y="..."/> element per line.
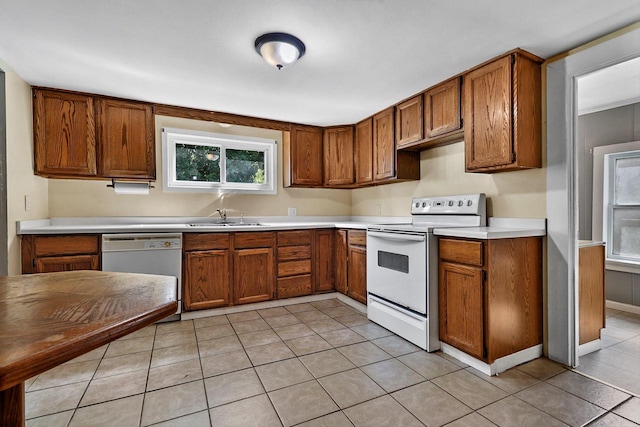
<point x="402" y="266"/>
<point x="145" y="253"/>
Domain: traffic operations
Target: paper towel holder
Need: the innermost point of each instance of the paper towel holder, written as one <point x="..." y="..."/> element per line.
<point x="142" y="186"/>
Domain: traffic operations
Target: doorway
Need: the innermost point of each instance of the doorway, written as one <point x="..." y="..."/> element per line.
<point x="562" y="183"/>
<point x="608" y="161"/>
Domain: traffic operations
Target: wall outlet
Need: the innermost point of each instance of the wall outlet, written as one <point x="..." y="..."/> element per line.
<point x="27" y="202"/>
<point x="377" y="210"/>
<point x="292" y="211"/>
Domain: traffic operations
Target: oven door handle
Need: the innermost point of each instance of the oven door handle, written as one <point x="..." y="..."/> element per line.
<point x="397" y="236"/>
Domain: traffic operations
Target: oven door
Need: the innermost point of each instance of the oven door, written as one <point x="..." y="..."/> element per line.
<point x="397" y="268"/>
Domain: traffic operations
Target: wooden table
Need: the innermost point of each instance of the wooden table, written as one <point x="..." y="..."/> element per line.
<point x="48" y="319"/>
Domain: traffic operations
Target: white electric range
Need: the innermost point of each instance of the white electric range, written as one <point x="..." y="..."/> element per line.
<point x="402" y="266"/>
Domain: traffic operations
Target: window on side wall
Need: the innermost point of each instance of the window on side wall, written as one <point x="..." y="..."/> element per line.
<point x="201" y="161"/>
<point x="622" y="207"/>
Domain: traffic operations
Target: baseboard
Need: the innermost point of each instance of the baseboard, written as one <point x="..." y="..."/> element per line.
<point x="499" y="365"/>
<point x="351" y="302"/>
<point x="189" y="315"/>
<point x="589" y="347"/>
<point x="623" y="307"/>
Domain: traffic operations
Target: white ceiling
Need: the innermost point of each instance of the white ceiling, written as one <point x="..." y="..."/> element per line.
<point x="362" y="55"/>
<point x="611" y="87"/>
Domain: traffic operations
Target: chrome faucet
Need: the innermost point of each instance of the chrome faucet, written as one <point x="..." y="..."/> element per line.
<point x="223" y="214"/>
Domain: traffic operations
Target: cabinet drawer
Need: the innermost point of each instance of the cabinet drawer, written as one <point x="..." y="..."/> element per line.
<point x="254" y="240"/>
<point x="294" y="238"/>
<point x="66" y="245"/>
<point x="357" y="237"/>
<point x="293" y="268"/>
<point x="291" y="253"/>
<point x="462" y="251"/>
<point x="294" y="286"/>
<point x="204" y="242"/>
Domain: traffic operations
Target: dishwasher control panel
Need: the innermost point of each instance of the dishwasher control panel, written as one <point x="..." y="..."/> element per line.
<point x="162" y="244"/>
<point x="141" y="242"/>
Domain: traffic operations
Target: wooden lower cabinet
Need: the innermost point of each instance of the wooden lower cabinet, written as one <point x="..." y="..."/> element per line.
<point x="462" y="310"/>
<point x="324" y="261"/>
<point x="591" y="292"/>
<point x="294" y="263"/>
<point x="253" y="279"/>
<point x="207" y="279"/>
<point x="206" y="270"/>
<point x="340" y="261"/>
<point x="357" y="273"/>
<point x="490" y="295"/>
<point x="351" y="264"/>
<point x="46" y="254"/>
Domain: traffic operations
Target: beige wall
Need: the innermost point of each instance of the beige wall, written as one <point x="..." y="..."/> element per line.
<point x="20" y="178"/>
<point x="76" y="198"/>
<point x="520" y="194"/>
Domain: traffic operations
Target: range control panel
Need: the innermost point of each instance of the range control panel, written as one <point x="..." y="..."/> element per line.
<point x="468" y="204"/>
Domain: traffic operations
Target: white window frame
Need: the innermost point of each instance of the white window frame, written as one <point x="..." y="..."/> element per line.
<point x="609" y="207"/>
<point x="171" y="137"/>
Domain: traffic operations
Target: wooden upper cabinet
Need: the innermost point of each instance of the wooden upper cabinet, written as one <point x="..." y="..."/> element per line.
<point x="126" y="135"/>
<point x="338" y="156"/>
<point x="303" y="157"/>
<point x="64" y="134"/>
<point x="502" y="113"/>
<point x="409" y="123"/>
<point x="443" y="109"/>
<point x="79" y="135"/>
<point x="384" y="148"/>
<point x="364" y="151"/>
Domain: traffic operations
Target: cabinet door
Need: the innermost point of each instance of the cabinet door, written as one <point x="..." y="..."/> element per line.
<point x="338" y="156"/>
<point x="127" y="145"/>
<point x="364" y="152"/>
<point x="461" y="306"/>
<point x="409" y="125"/>
<point x="207" y="279"/>
<point x="591" y="304"/>
<point x="324" y="257"/>
<point x="340" y="259"/>
<point x="303" y="157"/>
<point x="64" y="134"/>
<point x="357" y="275"/>
<point x="442" y="109"/>
<point x="67" y="263"/>
<point x="488" y="106"/>
<point x="384" y="149"/>
<point x="253" y="275"/>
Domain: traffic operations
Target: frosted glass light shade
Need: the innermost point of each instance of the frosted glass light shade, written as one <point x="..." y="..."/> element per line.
<point x="280" y="50"/>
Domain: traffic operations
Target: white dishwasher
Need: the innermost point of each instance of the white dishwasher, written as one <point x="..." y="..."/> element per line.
<point x="145" y="253"/>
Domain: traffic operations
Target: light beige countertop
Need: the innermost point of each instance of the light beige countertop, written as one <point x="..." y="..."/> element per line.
<point x="587" y="243"/>
<point x="192" y="224"/>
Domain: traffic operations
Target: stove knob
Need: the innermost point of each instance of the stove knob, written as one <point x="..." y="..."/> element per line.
<point x="460" y="203"/>
<point x="417" y="204"/>
<point x="469" y="203"/>
<point x="424" y="204"/>
<point x="450" y="202"/>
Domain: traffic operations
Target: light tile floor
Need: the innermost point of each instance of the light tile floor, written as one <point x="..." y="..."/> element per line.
<point x="618" y="362"/>
<point x="312" y="364"/>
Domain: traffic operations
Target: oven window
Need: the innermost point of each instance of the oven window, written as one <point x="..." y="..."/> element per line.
<point x="393" y="261"/>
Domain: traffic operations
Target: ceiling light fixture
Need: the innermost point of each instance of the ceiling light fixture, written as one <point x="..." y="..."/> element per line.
<point x="280" y="50"/>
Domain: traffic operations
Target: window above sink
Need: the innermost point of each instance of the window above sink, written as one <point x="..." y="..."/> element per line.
<point x="208" y="162"/>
